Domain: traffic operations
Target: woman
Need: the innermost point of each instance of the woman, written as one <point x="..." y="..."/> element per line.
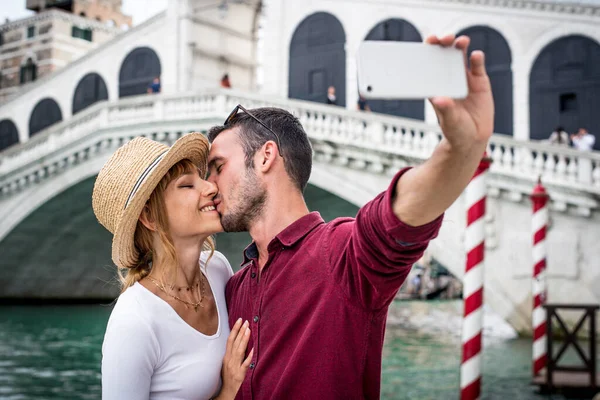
<point x="559" y="136"/>
<point x="167" y="335"/>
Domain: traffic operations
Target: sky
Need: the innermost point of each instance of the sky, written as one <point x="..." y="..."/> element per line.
<point x="140" y="10"/>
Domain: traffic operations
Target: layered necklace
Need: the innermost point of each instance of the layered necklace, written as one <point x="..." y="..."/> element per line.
<point x="199" y="284"/>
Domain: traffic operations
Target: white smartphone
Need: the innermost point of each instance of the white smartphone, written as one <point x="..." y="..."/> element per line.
<point x="408" y="70"/>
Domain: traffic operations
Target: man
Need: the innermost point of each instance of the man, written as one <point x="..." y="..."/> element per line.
<point x="154" y="87"/>
<point x="583" y="140"/>
<point x="225" y="83"/>
<point x="317" y="293"/>
<point x="331" y="98"/>
<point x="362" y="104"/>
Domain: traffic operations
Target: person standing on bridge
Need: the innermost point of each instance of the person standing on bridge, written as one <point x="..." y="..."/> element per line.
<point x="167" y="336"/>
<point x="317" y="293"/>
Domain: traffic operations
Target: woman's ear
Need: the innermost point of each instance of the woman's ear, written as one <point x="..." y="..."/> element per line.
<point x="146" y="219"/>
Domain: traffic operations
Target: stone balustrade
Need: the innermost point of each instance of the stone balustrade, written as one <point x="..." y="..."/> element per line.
<point x="374" y="142"/>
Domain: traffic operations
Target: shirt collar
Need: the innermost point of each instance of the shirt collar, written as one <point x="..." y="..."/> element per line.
<point x="289" y="236"/>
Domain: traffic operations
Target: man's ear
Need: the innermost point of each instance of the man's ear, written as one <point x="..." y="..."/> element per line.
<point x="146" y="219"/>
<point x="267" y="155"/>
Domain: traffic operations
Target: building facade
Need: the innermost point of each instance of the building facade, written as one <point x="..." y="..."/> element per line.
<point x="105" y="11"/>
<point x="39" y="45"/>
<point x="190" y="46"/>
<point x="542" y="56"/>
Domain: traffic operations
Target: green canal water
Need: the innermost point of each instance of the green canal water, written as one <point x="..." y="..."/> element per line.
<point x="54" y="352"/>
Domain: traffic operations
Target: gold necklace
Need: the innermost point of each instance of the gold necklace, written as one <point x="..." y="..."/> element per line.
<point x="187" y="303"/>
<point x="187" y="288"/>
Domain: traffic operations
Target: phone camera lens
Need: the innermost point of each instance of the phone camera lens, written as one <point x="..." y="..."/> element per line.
<point x="369" y="88"/>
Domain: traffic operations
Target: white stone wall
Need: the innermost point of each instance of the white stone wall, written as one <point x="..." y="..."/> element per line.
<point x="527" y="31"/>
<point x="223" y="42"/>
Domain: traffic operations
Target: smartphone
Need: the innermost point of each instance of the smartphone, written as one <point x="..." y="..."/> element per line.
<point x="408" y="70"/>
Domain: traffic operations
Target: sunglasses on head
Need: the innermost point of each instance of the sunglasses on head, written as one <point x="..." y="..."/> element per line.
<point x="239" y="107"/>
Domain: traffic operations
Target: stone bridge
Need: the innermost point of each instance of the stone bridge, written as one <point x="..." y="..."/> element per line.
<point x="355" y="155"/>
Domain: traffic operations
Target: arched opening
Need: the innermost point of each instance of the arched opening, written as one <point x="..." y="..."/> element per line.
<point x="498" y="60"/>
<point x="90" y="89"/>
<point x="564" y="88"/>
<point x="28" y="71"/>
<point x="45" y="113"/>
<point x="9" y="134"/>
<point x="82" y="14"/>
<point x="138" y="70"/>
<point x="398" y="30"/>
<point x="318" y="59"/>
<point x="66" y="229"/>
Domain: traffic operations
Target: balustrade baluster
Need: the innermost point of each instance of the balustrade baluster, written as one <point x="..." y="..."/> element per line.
<point x="596" y="174"/>
<point x="508" y="159"/>
<point x="417" y="141"/>
<point x="335" y="126"/>
<point x="303" y="118"/>
<point x="318" y="125"/>
<point x="497" y="157"/>
<point x="326" y="125"/>
<point x="572" y="170"/>
<point x="357" y="132"/>
<point x="549" y="165"/>
<point x="561" y="168"/>
<point x="388" y="136"/>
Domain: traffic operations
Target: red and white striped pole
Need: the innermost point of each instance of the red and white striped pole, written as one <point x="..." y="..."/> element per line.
<point x="539" y="198"/>
<point x="472" y="325"/>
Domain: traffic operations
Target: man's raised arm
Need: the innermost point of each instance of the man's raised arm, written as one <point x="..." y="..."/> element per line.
<point x="425" y="192"/>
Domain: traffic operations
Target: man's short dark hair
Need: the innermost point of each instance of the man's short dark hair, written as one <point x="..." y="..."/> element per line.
<point x="295" y="145"/>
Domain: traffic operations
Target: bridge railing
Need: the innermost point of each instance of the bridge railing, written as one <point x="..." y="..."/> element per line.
<point x="358" y="139"/>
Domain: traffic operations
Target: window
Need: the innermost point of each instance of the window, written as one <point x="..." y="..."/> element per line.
<point x="1" y="39"/>
<point x="28" y="71"/>
<point x="568" y="102"/>
<point x="30" y="32"/>
<point x="316" y="82"/>
<point x="85" y="34"/>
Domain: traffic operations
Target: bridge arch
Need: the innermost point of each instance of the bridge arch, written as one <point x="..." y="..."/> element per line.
<point x="318" y="59"/>
<point x="45" y="113"/>
<point x="137" y="71"/>
<point x="90" y="89"/>
<point x="64" y="211"/>
<point x="398" y="30"/>
<point x="9" y="134"/>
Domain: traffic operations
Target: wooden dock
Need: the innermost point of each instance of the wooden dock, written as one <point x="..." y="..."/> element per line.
<point x="575" y="383"/>
<point x="581" y="380"/>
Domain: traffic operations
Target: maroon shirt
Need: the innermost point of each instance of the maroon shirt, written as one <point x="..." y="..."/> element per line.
<point x="318" y="313"/>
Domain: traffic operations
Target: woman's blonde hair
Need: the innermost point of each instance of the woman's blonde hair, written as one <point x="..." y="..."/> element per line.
<point x="143" y="239"/>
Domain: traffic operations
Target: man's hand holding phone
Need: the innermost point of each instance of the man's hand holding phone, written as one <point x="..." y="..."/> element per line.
<point x="467" y="121"/>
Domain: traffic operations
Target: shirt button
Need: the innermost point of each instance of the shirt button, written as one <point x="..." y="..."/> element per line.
<point x="253" y="275"/>
<point x="256" y="318"/>
<point x="252" y="366"/>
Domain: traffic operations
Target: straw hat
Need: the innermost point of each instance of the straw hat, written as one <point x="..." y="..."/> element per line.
<point x="126" y="181"/>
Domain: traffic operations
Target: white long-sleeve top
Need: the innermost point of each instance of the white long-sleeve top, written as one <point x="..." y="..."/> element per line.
<point x="585" y="142"/>
<point x="150" y="352"/>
